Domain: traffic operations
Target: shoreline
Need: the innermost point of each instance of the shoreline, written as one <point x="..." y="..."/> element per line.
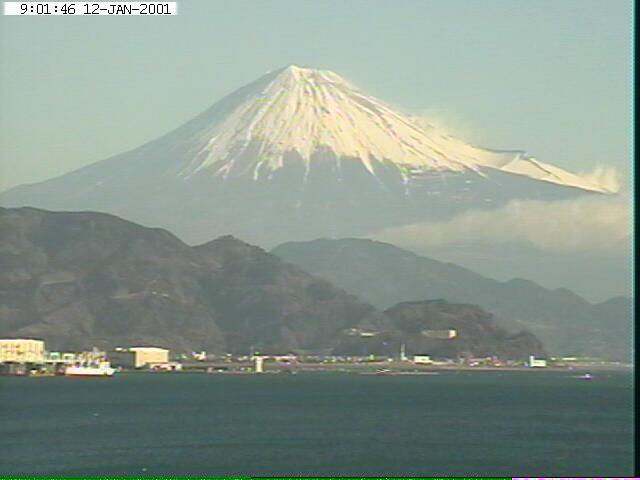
<point x="377" y="368"/>
<point x="383" y="369"/>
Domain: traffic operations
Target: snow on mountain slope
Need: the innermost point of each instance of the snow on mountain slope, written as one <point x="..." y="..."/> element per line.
<point x="300" y="154"/>
<point x="530" y="167"/>
<point x="305" y="110"/>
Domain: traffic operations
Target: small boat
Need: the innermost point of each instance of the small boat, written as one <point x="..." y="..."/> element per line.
<point x="586" y="376"/>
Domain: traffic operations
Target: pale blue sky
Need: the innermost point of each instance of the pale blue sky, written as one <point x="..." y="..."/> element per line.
<point x="552" y="77"/>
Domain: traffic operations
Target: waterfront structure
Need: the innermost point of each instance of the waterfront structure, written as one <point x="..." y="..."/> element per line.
<point x="288" y="358"/>
<point x="138" y="357"/>
<point x="165" y="366"/>
<point x="21" y="350"/>
<point x="422" y="359"/>
<point x="148" y="355"/>
<point x="259" y="362"/>
<point x="537" y="362"/>
<point x="403" y="353"/>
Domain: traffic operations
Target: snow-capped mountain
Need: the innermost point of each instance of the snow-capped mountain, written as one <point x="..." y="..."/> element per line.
<point x="297" y="154"/>
<point x="304" y="111"/>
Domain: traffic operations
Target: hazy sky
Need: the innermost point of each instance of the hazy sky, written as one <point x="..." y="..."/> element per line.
<point x="552" y="77"/>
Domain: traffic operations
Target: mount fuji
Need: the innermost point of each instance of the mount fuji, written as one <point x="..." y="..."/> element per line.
<point x="298" y="154"/>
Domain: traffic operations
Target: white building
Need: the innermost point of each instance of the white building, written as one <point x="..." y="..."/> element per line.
<point x="422" y="359"/>
<point x="148" y="355"/>
<point x="259" y="364"/>
<point x="21" y="350"/>
<point x="137" y="357"/>
<point x="537" y="362"/>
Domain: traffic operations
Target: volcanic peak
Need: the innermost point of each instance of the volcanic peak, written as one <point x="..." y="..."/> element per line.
<point x="305" y="111"/>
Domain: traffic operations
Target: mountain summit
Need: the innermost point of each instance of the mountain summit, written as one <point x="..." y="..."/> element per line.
<point x="305" y="111"/>
<point x="297" y="154"/>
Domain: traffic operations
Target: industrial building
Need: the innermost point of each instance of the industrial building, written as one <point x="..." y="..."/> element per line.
<point x="21" y="350"/>
<point x="138" y="357"/>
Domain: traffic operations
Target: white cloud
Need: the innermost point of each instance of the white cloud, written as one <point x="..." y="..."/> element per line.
<point x="594" y="224"/>
<point x="608" y="177"/>
<point x="450" y="122"/>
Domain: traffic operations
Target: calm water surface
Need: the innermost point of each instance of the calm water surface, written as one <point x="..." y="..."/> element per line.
<point x="480" y="423"/>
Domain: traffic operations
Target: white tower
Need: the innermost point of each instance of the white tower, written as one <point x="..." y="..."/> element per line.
<point x="403" y="353"/>
<point x="259" y="362"/>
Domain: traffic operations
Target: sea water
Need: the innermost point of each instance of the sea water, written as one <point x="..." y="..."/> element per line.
<point x="534" y="423"/>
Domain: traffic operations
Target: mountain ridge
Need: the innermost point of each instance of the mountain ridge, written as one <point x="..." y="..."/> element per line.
<point x="83" y="279"/>
<point x="384" y="275"/>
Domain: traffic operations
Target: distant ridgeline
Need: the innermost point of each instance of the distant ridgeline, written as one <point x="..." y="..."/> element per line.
<point x="385" y="275"/>
<point x="78" y="280"/>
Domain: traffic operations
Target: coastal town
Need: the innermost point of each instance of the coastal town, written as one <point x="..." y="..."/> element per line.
<point x="29" y="357"/>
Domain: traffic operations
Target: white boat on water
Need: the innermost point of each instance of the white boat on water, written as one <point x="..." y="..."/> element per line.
<point x="586" y="376"/>
<point x="98" y="369"/>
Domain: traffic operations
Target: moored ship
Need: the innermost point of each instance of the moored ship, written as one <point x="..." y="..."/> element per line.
<point x="98" y="369"/>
